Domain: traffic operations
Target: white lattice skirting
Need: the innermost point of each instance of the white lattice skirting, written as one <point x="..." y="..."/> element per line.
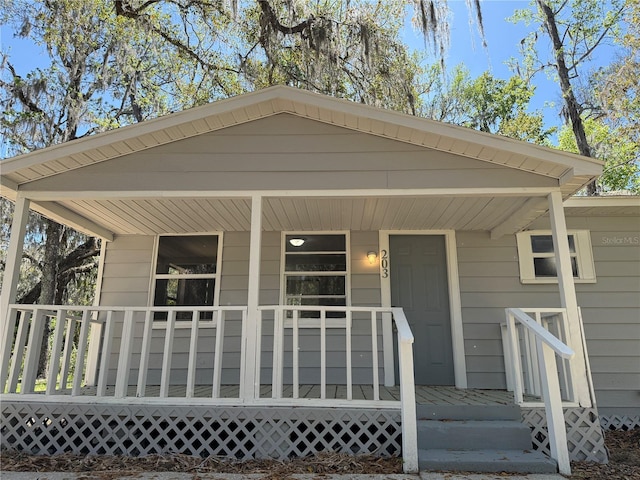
<point x="620" y="422"/>
<point x="585" y="438"/>
<point x="238" y="432"/>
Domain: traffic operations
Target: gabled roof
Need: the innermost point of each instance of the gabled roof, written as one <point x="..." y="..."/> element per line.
<point x="562" y="170"/>
<point x="573" y="170"/>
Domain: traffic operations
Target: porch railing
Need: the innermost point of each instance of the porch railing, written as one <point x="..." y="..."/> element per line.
<point x="524" y="380"/>
<point x="293" y="331"/>
<point x="529" y="341"/>
<point x="92" y="350"/>
<point x="148" y="354"/>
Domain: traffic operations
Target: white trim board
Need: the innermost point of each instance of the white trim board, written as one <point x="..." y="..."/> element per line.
<point x="455" y="304"/>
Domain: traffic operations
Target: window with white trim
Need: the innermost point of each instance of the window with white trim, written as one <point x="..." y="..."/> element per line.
<point x="315" y="272"/>
<point x="187" y="272"/>
<point x="537" y="258"/>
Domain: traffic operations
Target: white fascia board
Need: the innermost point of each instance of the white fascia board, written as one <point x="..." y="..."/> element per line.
<point x="599" y="201"/>
<point x="37" y="195"/>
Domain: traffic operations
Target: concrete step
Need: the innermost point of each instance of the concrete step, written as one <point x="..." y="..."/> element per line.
<point x="468" y="412"/>
<point x="512" y="461"/>
<point x="473" y="435"/>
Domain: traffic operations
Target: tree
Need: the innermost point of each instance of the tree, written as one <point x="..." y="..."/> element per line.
<point x="575" y="28"/>
<point x="115" y="62"/>
<point x="101" y="74"/>
<point x="616" y="89"/>
<point x="488" y="104"/>
<point x="621" y="170"/>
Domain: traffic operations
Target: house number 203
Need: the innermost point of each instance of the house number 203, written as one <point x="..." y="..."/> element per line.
<point x="384" y="264"/>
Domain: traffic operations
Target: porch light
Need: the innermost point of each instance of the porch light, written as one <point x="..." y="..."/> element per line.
<point x="372" y="257"/>
<point x="296" y="242"/>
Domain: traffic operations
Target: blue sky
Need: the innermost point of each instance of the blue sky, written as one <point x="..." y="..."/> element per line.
<point x="503" y="39"/>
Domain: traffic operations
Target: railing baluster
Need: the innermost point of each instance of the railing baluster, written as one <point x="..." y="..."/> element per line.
<point x="348" y="355"/>
<point x="18" y="350"/>
<point x="30" y="369"/>
<point x="515" y="357"/>
<point x="278" y="346"/>
<point x="217" y="359"/>
<point x="66" y="355"/>
<point x="168" y="354"/>
<point x="124" y="361"/>
<point x="56" y="350"/>
<point x="323" y="354"/>
<point x="296" y="355"/>
<point x="107" y="343"/>
<point x="6" y="333"/>
<point x="243" y="351"/>
<point x="535" y="372"/>
<point x="374" y="354"/>
<point x="193" y="354"/>
<point x="256" y="372"/>
<point x="80" y="354"/>
<point x="145" y="350"/>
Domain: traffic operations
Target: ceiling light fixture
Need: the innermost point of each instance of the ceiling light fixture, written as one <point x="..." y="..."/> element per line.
<point x="296" y="242"/>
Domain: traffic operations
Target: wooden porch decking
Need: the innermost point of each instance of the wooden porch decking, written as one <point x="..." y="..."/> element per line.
<point x="425" y="395"/>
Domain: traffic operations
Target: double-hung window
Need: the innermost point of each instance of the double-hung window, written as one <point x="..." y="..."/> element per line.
<point x="537" y="258"/>
<point x="315" y="271"/>
<point x="187" y="272"/>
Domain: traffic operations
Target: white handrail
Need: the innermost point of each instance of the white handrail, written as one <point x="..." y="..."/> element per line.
<point x="547" y="347"/>
<point x="556" y="345"/>
<point x="407" y="392"/>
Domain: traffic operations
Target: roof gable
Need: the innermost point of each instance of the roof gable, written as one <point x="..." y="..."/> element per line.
<point x="571" y="170"/>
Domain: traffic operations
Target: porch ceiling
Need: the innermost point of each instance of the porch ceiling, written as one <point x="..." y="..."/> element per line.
<point x="183" y="215"/>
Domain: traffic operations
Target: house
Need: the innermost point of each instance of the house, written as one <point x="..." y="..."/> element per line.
<point x="284" y="272"/>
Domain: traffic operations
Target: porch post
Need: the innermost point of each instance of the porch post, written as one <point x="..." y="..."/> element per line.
<point x="568" y="296"/>
<point x="11" y="277"/>
<point x="93" y="354"/>
<point x="251" y="342"/>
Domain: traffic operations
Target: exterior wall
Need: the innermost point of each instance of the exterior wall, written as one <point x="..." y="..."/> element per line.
<point x="127" y="271"/>
<point x="611" y="311"/>
<point x="489" y="282"/>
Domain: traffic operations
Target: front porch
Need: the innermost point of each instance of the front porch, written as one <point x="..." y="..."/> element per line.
<point x="115" y="383"/>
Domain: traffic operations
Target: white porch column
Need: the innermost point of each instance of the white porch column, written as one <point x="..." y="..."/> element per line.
<point x="251" y="380"/>
<point x="93" y="354"/>
<point x="11" y="276"/>
<point x="568" y="296"/>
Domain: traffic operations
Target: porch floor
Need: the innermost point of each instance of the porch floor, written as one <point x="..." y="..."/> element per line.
<point x="425" y="395"/>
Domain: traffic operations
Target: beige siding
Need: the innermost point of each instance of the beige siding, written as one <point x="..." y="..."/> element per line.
<point x="280" y="151"/>
<point x="489" y="282"/>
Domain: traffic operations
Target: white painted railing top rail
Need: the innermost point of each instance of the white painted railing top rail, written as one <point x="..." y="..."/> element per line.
<point x="547" y="346"/>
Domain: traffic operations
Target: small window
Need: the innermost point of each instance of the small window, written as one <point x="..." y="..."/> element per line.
<point x="186" y="273"/>
<point x="315" y="271"/>
<point x="538" y="262"/>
